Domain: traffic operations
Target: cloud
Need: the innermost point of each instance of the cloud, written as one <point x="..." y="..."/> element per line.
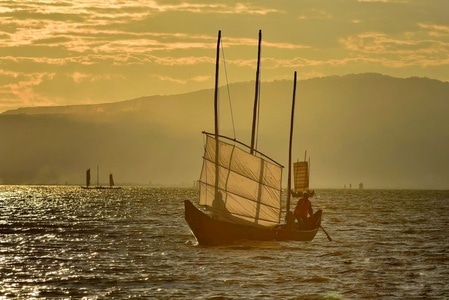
<point x="201" y="78"/>
<point x="401" y="50"/>
<point x="180" y="61"/>
<point x="109" y="50"/>
<point x="171" y="79"/>
<point x="79" y="77"/>
<point x="214" y="8"/>
<point x="22" y="90"/>
<point x="6" y="73"/>
<point x="434" y="30"/>
<point x="316" y="14"/>
<point x="376" y="42"/>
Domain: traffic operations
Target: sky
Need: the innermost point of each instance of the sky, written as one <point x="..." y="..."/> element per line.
<point x="85" y="52"/>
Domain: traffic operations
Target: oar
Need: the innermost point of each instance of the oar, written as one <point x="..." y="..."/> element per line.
<point x="328" y="237"/>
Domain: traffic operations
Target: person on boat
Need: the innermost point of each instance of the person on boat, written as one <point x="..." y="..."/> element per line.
<point x="218" y="203"/>
<point x="303" y="210"/>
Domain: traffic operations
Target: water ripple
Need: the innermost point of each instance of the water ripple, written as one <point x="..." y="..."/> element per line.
<point x="67" y="242"/>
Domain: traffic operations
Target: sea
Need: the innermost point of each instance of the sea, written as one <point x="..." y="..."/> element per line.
<point x="65" y="242"/>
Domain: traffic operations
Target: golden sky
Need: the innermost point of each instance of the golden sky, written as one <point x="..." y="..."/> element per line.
<point x="79" y="52"/>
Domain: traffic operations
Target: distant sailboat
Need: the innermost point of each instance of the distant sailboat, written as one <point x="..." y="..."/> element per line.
<point x="98" y="186"/>
<point x="111" y="181"/>
<point x="98" y="177"/>
<point x="301" y="175"/>
<point x="87" y="178"/>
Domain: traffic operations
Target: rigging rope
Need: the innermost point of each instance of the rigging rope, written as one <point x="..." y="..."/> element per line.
<point x="227" y="86"/>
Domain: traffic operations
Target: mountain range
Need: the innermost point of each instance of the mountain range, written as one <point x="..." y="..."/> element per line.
<point x="383" y="131"/>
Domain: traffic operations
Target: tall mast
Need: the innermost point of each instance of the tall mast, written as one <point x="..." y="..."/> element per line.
<point x="217" y="65"/>
<point x="256" y="98"/>
<point x="308" y="174"/>
<point x="289" y="180"/>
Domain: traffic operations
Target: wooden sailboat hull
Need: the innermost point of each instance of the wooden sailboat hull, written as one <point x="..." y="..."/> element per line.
<point x="210" y="231"/>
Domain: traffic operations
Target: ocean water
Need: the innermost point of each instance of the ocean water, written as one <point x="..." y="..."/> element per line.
<point x="67" y="242"/>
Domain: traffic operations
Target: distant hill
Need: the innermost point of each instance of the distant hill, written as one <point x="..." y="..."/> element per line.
<point x="385" y="132"/>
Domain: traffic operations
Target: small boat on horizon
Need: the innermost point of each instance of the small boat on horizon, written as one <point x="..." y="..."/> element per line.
<point x="98" y="186"/>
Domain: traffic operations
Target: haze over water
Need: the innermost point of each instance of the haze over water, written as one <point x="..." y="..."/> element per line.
<point x="64" y="241"/>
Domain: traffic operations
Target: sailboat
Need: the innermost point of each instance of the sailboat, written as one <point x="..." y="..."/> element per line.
<point x="98" y="186"/>
<point x="87" y="186"/>
<point x="301" y="175"/>
<point x="111" y="181"/>
<point x="87" y="178"/>
<point x="241" y="187"/>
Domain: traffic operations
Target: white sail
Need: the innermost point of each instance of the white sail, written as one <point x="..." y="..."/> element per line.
<point x="301" y="176"/>
<point x="249" y="186"/>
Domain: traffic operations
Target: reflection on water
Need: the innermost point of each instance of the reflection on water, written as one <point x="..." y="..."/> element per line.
<point x="65" y="242"/>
